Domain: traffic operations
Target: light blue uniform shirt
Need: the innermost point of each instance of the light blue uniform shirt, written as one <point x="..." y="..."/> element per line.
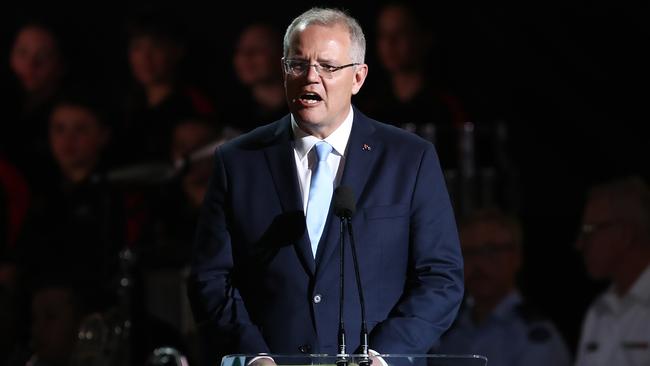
<point x="508" y="337"/>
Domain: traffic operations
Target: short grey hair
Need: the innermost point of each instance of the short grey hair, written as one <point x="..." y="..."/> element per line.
<point x="329" y="17"/>
<point x="629" y="198"/>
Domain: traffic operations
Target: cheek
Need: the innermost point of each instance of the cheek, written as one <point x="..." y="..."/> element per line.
<point x="18" y="64"/>
<point x="89" y="145"/>
<point x="47" y="70"/>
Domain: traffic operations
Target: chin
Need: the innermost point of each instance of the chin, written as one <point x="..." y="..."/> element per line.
<point x="309" y="117"/>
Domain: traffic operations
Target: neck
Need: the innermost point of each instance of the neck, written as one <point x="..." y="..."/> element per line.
<point x="482" y="310"/>
<point x="76" y="174"/>
<point x="407" y="83"/>
<point x="630" y="272"/>
<point x="318" y="131"/>
<point x="484" y="306"/>
<point x="39" y="97"/>
<point x="269" y="95"/>
<point x="157" y="93"/>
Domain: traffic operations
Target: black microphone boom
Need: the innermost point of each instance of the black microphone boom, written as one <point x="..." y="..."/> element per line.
<point x="345" y="207"/>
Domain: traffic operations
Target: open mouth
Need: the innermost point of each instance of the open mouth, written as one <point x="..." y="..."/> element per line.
<point x="310" y="98"/>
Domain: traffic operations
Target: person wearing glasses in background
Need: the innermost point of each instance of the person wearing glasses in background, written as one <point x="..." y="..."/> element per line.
<point x="615" y="243"/>
<point x="266" y="259"/>
<point x="495" y="321"/>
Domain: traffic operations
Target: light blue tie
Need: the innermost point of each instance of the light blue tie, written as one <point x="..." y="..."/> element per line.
<point x="320" y="195"/>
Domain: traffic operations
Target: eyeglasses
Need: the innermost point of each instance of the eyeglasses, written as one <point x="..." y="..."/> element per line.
<point x="587" y="230"/>
<point x="488" y="250"/>
<point x="300" y="67"/>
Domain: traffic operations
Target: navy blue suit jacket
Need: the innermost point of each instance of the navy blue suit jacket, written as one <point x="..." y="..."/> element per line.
<point x="255" y="281"/>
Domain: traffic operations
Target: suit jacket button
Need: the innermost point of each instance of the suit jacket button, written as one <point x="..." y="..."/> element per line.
<point x="317" y="298"/>
<point x="304" y="348"/>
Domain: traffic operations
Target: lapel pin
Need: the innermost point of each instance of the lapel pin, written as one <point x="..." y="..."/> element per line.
<point x="366" y="147"/>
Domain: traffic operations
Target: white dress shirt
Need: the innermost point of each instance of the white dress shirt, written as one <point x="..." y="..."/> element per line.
<point x="616" y="330"/>
<point x="306" y="159"/>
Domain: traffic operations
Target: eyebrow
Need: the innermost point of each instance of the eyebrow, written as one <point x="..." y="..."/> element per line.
<point x="319" y="60"/>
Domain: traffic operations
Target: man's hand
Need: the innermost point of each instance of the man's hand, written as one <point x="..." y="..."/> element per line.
<point x="262" y="361"/>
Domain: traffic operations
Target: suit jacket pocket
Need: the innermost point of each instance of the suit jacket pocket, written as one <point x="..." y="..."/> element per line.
<point x="386" y="212"/>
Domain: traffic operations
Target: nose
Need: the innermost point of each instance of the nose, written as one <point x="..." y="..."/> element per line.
<point x="312" y="75"/>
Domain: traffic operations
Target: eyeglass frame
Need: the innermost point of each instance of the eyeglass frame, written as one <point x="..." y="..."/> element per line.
<point x="490" y="250"/>
<point x="329" y="72"/>
<point x="588" y="229"/>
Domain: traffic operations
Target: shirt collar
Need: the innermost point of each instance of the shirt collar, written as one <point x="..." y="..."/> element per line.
<point x="303" y="141"/>
<point x="506" y="307"/>
<point x="641" y="288"/>
<point x="502" y="312"/>
<point x="639" y="292"/>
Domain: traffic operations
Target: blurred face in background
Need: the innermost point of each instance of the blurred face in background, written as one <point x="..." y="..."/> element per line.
<point x="187" y="138"/>
<point x="77" y="138"/>
<point x="55" y="323"/>
<point x="153" y="60"/>
<point x="603" y="239"/>
<point x="258" y="54"/>
<point x="36" y="60"/>
<point x="398" y="42"/>
<point x="492" y="260"/>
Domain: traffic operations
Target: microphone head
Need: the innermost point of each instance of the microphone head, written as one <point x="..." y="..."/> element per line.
<point x="344" y="205"/>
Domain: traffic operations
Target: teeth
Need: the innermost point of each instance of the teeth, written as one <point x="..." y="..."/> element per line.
<point x="310" y="98"/>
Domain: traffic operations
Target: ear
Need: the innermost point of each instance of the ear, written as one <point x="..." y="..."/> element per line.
<point x="360" y="73"/>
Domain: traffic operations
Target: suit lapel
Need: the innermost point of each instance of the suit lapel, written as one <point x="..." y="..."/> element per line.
<point x="281" y="160"/>
<point x="362" y="151"/>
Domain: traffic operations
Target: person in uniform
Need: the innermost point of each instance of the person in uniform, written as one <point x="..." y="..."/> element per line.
<point x="615" y="243"/>
<point x="495" y="321"/>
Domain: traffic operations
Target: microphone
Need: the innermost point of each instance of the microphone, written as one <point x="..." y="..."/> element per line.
<point x="345" y="208"/>
<point x="158" y="172"/>
<point x="341" y="203"/>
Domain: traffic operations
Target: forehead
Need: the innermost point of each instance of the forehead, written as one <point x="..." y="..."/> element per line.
<point x="258" y="33"/>
<point x="321" y="41"/>
<point x="481" y="233"/>
<point x="394" y="16"/>
<point x="37" y="35"/>
<point x="71" y="112"/>
<point x="597" y="208"/>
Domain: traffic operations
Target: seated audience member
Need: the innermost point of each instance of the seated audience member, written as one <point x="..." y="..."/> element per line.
<point x="177" y="205"/>
<point x="76" y="217"/>
<point x="259" y="73"/>
<point x="495" y="321"/>
<point x="14" y="203"/>
<point x="615" y="243"/>
<point x="58" y="306"/>
<point x="161" y="98"/>
<point x="408" y="95"/>
<point x="37" y="62"/>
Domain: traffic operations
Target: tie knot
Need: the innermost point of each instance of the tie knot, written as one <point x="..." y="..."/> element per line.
<point x="323" y="149"/>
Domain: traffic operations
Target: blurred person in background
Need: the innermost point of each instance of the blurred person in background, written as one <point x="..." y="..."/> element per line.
<point x="160" y="98"/>
<point x="259" y="73"/>
<point x="38" y="64"/>
<point x="75" y="217"/>
<point x="408" y="94"/>
<point x="615" y="244"/>
<point x="178" y="201"/>
<point x="495" y="321"/>
<point x="57" y="306"/>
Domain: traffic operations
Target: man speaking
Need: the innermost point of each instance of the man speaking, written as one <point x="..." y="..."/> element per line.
<point x="265" y="272"/>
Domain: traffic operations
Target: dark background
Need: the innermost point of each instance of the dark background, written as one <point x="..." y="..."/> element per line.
<point x="567" y="79"/>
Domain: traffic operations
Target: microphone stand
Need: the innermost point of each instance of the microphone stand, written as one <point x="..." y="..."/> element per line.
<point x="365" y="360"/>
<point x="342" y="357"/>
<point x="344" y="208"/>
